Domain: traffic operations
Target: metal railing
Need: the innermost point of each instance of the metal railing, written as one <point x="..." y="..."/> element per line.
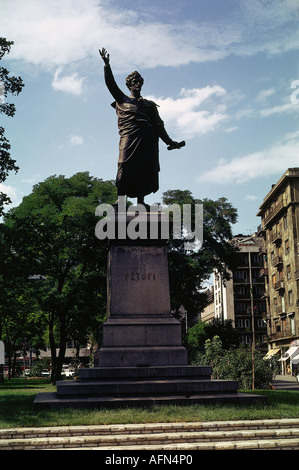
<point x="286" y="333"/>
<point x="274" y="212"/>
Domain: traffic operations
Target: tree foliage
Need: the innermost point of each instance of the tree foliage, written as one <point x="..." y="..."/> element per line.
<point x="54" y="242"/>
<point x="198" y="334"/>
<point x="237" y="364"/>
<point x="50" y="254"/>
<point x="13" y="85"/>
<point x="189" y="270"/>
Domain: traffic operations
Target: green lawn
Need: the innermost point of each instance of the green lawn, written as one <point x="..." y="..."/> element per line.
<point x="16" y="409"/>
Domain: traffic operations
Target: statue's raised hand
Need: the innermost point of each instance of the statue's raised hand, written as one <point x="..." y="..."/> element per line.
<point x="103" y="53"/>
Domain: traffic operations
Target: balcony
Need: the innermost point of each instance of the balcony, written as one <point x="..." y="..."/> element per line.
<point x="277" y="262"/>
<point x="261" y="230"/>
<point x="262" y="249"/>
<point x="279" y="310"/>
<point x="264" y="272"/>
<point x="275" y="237"/>
<point x="297" y="275"/>
<point x="279" y="285"/>
<point x="286" y="333"/>
<point x="274" y="212"/>
<point x="265" y="295"/>
<point x="266" y="316"/>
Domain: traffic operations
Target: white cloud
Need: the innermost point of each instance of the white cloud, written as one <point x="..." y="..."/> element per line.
<point x="12" y="193"/>
<point x="72" y="84"/>
<point x="263" y="95"/>
<point x="231" y="129"/>
<point x="285" y="108"/>
<point x="289" y="105"/>
<point x="270" y="161"/>
<point x="186" y="112"/>
<point x="75" y="140"/>
<point x="251" y="197"/>
<point x="55" y="33"/>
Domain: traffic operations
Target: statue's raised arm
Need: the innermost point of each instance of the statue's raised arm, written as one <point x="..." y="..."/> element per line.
<point x="103" y="53"/>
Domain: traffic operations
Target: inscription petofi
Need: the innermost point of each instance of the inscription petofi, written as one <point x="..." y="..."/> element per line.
<point x="135" y="276"/>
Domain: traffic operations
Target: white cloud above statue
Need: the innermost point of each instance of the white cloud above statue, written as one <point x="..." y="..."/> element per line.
<point x="55" y="33"/>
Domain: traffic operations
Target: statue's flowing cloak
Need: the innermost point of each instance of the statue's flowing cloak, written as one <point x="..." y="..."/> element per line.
<point x="139" y="126"/>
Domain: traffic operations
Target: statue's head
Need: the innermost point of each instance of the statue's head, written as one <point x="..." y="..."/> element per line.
<point x="133" y="77"/>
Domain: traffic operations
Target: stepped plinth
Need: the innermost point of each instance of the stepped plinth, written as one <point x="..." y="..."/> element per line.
<point x="142" y="360"/>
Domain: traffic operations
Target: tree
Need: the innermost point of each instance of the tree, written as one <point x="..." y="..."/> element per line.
<point x="54" y="231"/>
<point x="189" y="270"/>
<point x="236" y="364"/>
<point x="194" y="340"/>
<point x="13" y="85"/>
<point x="225" y="331"/>
<point x="197" y="335"/>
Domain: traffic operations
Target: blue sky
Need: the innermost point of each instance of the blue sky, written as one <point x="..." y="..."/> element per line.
<point x="221" y="71"/>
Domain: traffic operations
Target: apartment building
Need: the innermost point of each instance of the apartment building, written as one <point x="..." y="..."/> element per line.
<point x="280" y="233"/>
<point x="241" y="299"/>
<point x="208" y="313"/>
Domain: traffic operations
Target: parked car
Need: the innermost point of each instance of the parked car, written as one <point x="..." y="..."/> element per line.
<point x="67" y="371"/>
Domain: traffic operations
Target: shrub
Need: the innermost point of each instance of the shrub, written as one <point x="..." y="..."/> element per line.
<point x="237" y="364"/>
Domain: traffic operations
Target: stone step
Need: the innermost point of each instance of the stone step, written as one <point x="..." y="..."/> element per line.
<point x="53" y="401"/>
<point x="267" y="444"/>
<point x="108" y="373"/>
<point x="248" y="434"/>
<point x="116" y="388"/>
<point x="230" y="440"/>
<point x="144" y="385"/>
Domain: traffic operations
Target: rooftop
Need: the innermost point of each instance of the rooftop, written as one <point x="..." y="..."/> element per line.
<point x="289" y="174"/>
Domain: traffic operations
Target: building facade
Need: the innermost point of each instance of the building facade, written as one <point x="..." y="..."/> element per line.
<point x="241" y="299"/>
<point x="279" y="231"/>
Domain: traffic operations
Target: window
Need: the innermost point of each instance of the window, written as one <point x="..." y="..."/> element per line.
<point x="292" y="322"/>
<point x="289" y="272"/>
<point x="240" y="275"/>
<point x="240" y="290"/>
<point x="285" y="221"/>
<point x="287" y="247"/>
<point x="245" y="339"/>
<point x="243" y="323"/>
<point x="290" y="297"/>
<point x="282" y="304"/>
<point x="256" y="260"/>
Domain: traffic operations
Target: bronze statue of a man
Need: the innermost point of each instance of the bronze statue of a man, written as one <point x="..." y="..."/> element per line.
<point x="140" y="128"/>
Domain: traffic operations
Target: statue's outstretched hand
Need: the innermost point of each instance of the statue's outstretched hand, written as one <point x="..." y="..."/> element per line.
<point x="176" y="145"/>
<point x="103" y="53"/>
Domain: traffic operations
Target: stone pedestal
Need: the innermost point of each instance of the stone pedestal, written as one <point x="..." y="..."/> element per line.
<point x="142" y="360"/>
<point x="140" y="329"/>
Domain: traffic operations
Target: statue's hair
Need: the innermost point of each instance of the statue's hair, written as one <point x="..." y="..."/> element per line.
<point x="131" y="77"/>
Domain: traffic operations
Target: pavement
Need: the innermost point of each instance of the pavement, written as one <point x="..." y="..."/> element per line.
<point x="285" y="382"/>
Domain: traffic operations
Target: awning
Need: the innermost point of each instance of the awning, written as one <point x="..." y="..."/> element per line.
<point x="271" y="353"/>
<point x="295" y="360"/>
<point x="292" y="352"/>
